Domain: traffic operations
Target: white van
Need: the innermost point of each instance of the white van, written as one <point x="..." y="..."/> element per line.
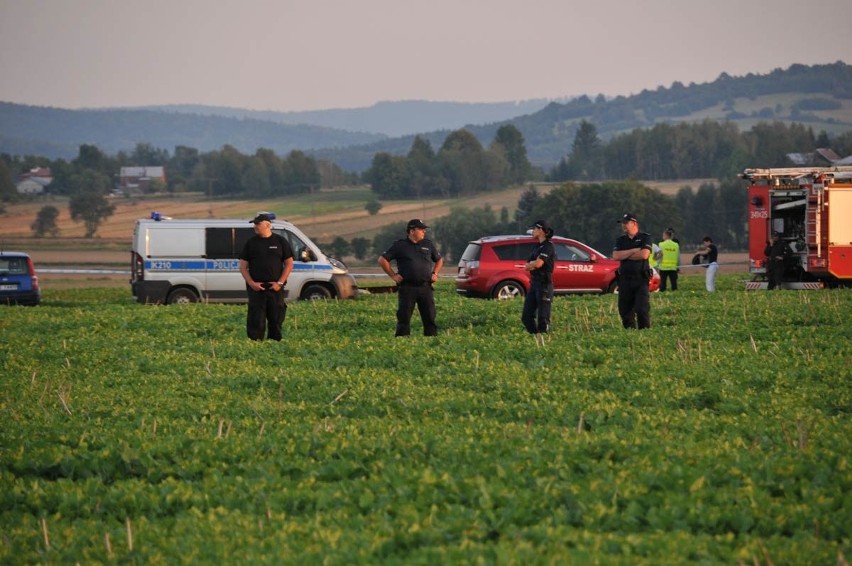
<point x="185" y="261"/>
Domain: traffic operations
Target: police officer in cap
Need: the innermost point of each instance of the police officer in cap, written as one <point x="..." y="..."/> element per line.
<point x="632" y="249"/>
<point x="418" y="264"/>
<point x="266" y="261"/>
<point x="539" y="299"/>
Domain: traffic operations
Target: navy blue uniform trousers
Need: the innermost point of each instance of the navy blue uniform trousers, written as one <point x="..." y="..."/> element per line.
<point x="537" y="305"/>
<point x="266" y="313"/>
<point x="423" y="297"/>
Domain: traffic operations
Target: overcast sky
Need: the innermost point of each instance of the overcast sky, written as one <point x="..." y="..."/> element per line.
<point x="317" y="54"/>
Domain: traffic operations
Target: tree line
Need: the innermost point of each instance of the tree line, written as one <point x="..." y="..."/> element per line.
<point x="461" y="166"/>
<point x="586" y="212"/>
<point x="708" y="149"/>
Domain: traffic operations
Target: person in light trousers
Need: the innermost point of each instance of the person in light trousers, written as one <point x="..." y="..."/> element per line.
<point x="711" y="253"/>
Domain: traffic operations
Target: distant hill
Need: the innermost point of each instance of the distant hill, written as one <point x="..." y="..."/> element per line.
<point x="58" y="133"/>
<point x="818" y="96"/>
<point x="392" y="119"/>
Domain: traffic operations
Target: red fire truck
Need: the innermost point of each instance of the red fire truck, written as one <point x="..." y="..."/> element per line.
<point x="812" y="210"/>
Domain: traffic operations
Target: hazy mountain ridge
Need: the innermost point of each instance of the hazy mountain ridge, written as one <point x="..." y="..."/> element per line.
<point x="818" y="96"/>
<point x="24" y="128"/>
<point x="390" y="118"/>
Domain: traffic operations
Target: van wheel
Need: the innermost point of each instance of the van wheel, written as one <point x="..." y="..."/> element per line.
<point x="508" y="290"/>
<point x="182" y="296"/>
<point x="315" y="292"/>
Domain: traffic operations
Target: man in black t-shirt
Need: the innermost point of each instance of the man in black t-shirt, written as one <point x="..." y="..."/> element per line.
<point x="418" y="264"/>
<point x="539" y="299"/>
<point x="711" y="255"/>
<point x="777" y="253"/>
<point x="266" y="261"/>
<point x="632" y="249"/>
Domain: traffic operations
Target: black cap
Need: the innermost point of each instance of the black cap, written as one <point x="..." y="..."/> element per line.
<point x="262" y="217"/>
<point x="542" y="224"/>
<point x="416" y="223"/>
<point x="627" y="217"/>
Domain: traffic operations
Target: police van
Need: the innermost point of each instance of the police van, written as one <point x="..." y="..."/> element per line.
<point x="175" y="261"/>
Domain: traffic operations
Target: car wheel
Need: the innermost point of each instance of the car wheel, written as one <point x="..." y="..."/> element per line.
<point x="508" y="290"/>
<point x="182" y="296"/>
<point x="316" y="292"/>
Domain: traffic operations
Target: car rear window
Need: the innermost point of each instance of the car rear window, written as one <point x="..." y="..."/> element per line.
<point x="13" y="266"/>
<point x="471" y="253"/>
<point x="514" y="252"/>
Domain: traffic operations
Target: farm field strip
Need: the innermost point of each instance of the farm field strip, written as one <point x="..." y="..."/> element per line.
<point x="152" y="434"/>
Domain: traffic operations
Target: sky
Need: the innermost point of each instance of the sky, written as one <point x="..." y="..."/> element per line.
<point x="287" y="55"/>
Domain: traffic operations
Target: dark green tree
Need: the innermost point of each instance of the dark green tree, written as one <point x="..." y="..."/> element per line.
<point x="453" y="232"/>
<point x="255" y="178"/>
<point x="90" y="157"/>
<point x="180" y="168"/>
<point x="463" y="163"/>
<point x="373" y="207"/>
<point x="146" y="155"/>
<point x="45" y="222"/>
<point x="509" y="142"/>
<point x="360" y="247"/>
<point x="588" y="212"/>
<point x="425" y="178"/>
<point x="527" y="203"/>
<point x="388" y="176"/>
<point x="8" y="191"/>
<point x="90" y="207"/>
<point x="302" y="172"/>
<point x="339" y="247"/>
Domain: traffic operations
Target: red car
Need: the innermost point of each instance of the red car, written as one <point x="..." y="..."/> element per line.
<point x="493" y="267"/>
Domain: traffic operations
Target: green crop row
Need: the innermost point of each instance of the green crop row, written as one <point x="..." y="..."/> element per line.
<point x="161" y="435"/>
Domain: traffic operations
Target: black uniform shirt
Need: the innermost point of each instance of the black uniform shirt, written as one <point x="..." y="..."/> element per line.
<point x="633" y="267"/>
<point x="712" y="254"/>
<point x="415" y="262"/>
<point x="545" y="252"/>
<point x="266" y="257"/>
<point x="777" y="249"/>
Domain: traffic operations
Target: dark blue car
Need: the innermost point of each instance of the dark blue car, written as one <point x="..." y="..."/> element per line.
<point x="18" y="281"/>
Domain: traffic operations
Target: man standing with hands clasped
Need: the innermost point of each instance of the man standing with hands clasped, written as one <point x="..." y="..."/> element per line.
<point x="418" y="264"/>
<point x="539" y="299"/>
<point x="634" y="298"/>
<point x="266" y="261"/>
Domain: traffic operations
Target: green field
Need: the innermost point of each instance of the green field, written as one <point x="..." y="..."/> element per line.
<point x="161" y="435"/>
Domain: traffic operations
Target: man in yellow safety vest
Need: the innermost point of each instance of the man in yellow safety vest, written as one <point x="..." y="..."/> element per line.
<point x="668" y="257"/>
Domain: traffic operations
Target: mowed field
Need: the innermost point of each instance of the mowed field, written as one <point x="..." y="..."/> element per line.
<point x="323" y="216"/>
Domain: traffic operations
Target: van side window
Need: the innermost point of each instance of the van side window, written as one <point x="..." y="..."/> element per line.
<point x="226" y="243"/>
<point x="296" y="244"/>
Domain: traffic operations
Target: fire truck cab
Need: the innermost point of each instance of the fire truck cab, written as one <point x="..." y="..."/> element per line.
<point x="812" y="210"/>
